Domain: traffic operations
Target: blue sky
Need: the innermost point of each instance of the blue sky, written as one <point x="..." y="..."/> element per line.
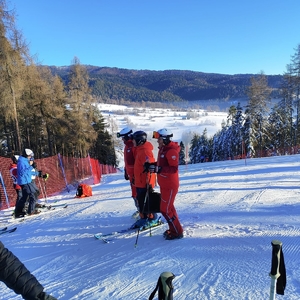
<point x="214" y="36"/>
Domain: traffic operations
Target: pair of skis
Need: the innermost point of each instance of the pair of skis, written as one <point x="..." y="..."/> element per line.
<point x="109" y="237"/>
<point x="6" y="230"/>
<point x="52" y="207"/>
<point x="49" y="207"/>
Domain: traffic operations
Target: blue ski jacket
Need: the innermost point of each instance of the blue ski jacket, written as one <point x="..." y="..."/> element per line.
<point x="25" y="171"/>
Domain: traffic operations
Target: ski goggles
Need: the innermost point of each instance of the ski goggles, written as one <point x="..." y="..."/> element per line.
<point x="126" y="134"/>
<point x="155" y="135"/>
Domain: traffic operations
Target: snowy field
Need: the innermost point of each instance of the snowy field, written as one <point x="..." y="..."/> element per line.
<point x="230" y="211"/>
<point x="176" y="121"/>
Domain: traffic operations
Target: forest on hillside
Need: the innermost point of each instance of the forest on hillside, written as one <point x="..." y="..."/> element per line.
<point x="168" y="86"/>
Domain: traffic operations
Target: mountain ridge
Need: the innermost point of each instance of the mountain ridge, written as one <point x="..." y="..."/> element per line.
<point x="167" y="85"/>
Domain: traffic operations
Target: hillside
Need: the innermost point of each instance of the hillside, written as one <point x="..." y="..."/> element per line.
<point x="167" y="86"/>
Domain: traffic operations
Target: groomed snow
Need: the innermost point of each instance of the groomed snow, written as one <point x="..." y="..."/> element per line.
<point x="231" y="211"/>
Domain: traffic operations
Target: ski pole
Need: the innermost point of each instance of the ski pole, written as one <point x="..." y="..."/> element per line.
<point x="41" y="187"/>
<point x="144" y="204"/>
<point x="137" y="237"/>
<point x="45" y="191"/>
<point x="274" y="274"/>
<point x="147" y="193"/>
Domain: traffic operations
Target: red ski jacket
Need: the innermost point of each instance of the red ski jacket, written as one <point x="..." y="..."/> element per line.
<point x="14" y="174"/>
<point x="143" y="153"/>
<point x="129" y="157"/>
<point x="168" y="160"/>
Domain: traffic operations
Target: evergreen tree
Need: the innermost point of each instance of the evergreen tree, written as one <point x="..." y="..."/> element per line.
<point x="203" y="146"/>
<point x="194" y="149"/>
<point x="259" y="98"/>
<point x="276" y="129"/>
<point x="103" y="147"/>
<point x="292" y="90"/>
<point x="237" y="131"/>
<point x="81" y="109"/>
<point x="248" y="136"/>
<point x="219" y="144"/>
<point x="182" y="160"/>
<point x="286" y="106"/>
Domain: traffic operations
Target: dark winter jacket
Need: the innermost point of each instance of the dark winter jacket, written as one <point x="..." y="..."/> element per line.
<point x="16" y="276"/>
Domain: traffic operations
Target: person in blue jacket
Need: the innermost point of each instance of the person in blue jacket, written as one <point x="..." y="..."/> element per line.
<point x="25" y="168"/>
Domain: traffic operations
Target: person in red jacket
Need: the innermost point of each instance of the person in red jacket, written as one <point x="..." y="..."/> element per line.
<point x="142" y="180"/>
<point x="166" y="168"/>
<point x="126" y="135"/>
<point x="14" y="174"/>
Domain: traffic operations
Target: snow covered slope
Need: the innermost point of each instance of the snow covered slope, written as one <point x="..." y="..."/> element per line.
<point x="231" y="211"/>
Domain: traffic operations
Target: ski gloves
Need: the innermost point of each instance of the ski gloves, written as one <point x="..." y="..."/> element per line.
<point x="151" y="168"/>
<point x="44" y="296"/>
<point x="45" y="176"/>
<point x="126" y="175"/>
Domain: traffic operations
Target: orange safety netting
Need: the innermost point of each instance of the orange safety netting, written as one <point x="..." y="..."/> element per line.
<point x="63" y="171"/>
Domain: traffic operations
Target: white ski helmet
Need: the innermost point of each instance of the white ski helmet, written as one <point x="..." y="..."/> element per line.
<point x="125" y="132"/>
<point x="27" y="152"/>
<point x="164" y="133"/>
<point x="15" y="158"/>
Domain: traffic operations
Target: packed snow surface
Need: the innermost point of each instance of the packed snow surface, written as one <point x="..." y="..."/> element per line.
<point x="231" y="211"/>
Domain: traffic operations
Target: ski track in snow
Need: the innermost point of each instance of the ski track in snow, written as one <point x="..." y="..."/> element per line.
<point x="230" y="213"/>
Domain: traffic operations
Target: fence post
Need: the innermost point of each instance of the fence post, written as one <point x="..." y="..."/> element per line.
<point x="91" y="168"/>
<point x="4" y="189"/>
<point x="63" y="171"/>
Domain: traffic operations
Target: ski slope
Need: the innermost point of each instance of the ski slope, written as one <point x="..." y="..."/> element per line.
<point x="231" y="211"/>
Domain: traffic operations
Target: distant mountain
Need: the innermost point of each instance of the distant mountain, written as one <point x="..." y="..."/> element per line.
<point x="169" y="85"/>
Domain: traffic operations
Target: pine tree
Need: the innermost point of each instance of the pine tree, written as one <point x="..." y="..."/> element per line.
<point x="286" y="106"/>
<point x="103" y="147"/>
<point x="276" y="129"/>
<point x="81" y="109"/>
<point x="237" y="131"/>
<point x="194" y="149"/>
<point x="294" y="80"/>
<point x="259" y="97"/>
<point x="182" y="160"/>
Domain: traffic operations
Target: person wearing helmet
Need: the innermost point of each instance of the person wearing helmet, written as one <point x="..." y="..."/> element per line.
<point x="142" y="180"/>
<point x="29" y="189"/>
<point x="14" y="174"/>
<point x="167" y="177"/>
<point x="126" y="135"/>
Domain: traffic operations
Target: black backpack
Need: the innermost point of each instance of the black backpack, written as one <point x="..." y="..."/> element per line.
<point x="164" y="286"/>
<point x="79" y="191"/>
<point x="152" y="204"/>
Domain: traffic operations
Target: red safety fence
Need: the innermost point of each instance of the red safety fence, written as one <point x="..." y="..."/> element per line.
<point x="63" y="171"/>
